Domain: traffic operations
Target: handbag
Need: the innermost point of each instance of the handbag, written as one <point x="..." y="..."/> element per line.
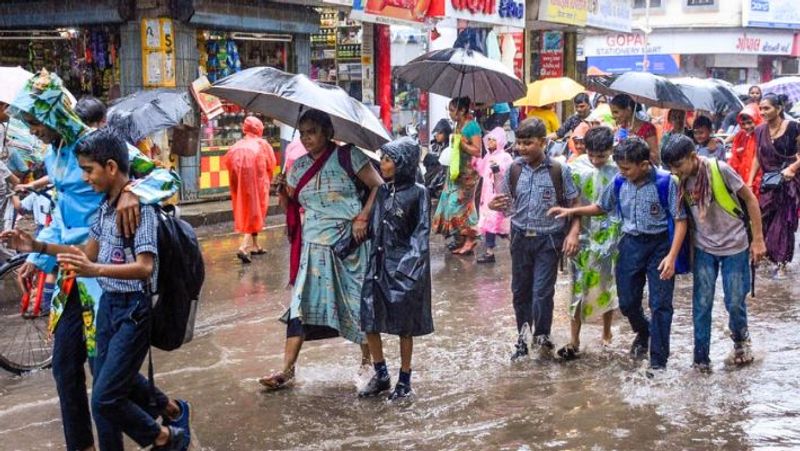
<point x="771" y="181"/>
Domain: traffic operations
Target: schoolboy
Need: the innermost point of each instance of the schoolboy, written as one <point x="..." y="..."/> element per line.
<point x="121" y="268"/>
<point x="715" y="194"/>
<point x="645" y="250"/>
<point x="707" y="145"/>
<point x="533" y="185"/>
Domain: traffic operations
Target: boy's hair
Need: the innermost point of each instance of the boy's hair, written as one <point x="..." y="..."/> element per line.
<point x="105" y="144"/>
<point x="581" y="98"/>
<point x="90" y="109"/>
<point x="703" y="122"/>
<point x="532" y="127"/>
<point x="676" y="148"/>
<point x="632" y="150"/>
<point x="599" y="139"/>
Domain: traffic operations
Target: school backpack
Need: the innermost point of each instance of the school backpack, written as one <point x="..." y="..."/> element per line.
<point x="683" y="263"/>
<point x="181" y="273"/>
<point x="555" y="177"/>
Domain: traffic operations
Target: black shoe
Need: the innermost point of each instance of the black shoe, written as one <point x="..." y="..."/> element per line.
<point x="178" y="440"/>
<point x="545" y="346"/>
<point x="486" y="258"/>
<point x="243" y="257"/>
<point x="401" y="391"/>
<point x="521" y="351"/>
<point x="569" y="352"/>
<point x="639" y="347"/>
<point x="376" y="386"/>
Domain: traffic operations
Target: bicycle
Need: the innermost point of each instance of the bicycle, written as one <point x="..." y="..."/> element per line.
<point x="25" y="340"/>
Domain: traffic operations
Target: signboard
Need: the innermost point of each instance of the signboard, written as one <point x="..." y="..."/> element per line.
<point x="158" y="53"/>
<point x="569" y="12"/>
<point x="656" y="64"/>
<point x="699" y="42"/>
<point x="367" y="64"/>
<point x="551" y="57"/>
<point x="495" y="12"/>
<point x="210" y="105"/>
<point x="771" y="14"/>
<point x="610" y="15"/>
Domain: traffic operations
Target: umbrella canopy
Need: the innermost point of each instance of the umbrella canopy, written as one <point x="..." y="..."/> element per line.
<point x="283" y="96"/>
<point x="788" y="86"/>
<point x="550" y="90"/>
<point x="12" y="79"/>
<point x="646" y="88"/>
<point x="459" y="72"/>
<point x="146" y="112"/>
<point x="709" y="95"/>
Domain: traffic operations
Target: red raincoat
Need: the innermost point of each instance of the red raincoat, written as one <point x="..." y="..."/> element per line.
<point x="744" y="148"/>
<point x="251" y="164"/>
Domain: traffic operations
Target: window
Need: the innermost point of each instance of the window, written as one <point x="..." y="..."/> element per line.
<point x="640" y="4"/>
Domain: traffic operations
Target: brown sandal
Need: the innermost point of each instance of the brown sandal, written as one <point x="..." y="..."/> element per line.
<point x="277" y="381"/>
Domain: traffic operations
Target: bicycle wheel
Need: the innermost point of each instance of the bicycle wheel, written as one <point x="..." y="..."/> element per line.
<point x="25" y="342"/>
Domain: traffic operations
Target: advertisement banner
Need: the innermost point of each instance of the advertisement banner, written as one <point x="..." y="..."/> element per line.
<point x="771" y="13"/>
<point x="656" y="64"/>
<point x="510" y="13"/>
<point x="610" y="15"/>
<point x="551" y="55"/>
<point x="412" y="13"/>
<point x="568" y="12"/>
<point x="698" y="42"/>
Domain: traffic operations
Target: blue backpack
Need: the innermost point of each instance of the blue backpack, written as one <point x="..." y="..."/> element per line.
<point x="683" y="263"/>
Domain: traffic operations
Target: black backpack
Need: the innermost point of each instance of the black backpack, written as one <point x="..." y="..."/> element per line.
<point x="180" y="278"/>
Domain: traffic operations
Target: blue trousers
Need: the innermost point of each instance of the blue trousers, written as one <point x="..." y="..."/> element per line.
<point x="534" y="268"/>
<point x="639" y="257"/>
<point x="735" y="286"/>
<point x="121" y="395"/>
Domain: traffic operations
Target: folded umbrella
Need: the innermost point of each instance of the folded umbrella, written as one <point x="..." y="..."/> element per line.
<point x="644" y="87"/>
<point x="709" y="94"/>
<point x="458" y="72"/>
<point x="550" y="90"/>
<point x="788" y="86"/>
<point x="283" y="96"/>
<point x="146" y="112"/>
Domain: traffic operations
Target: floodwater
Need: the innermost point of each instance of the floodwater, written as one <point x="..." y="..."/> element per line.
<point x="468" y="395"/>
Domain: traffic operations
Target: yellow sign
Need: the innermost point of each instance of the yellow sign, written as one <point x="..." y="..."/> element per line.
<point x="158" y="53"/>
<point x="569" y="12"/>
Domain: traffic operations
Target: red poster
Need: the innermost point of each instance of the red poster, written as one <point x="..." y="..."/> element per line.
<point x="551" y="58"/>
<point x="519" y="58"/>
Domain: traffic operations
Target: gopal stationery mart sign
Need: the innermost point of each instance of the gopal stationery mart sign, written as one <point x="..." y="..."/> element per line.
<point x="706" y="42"/>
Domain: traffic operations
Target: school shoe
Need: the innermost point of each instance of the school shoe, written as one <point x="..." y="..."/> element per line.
<point x="521" y="350"/>
<point x="742" y="353"/>
<point x="486" y="258"/>
<point x="178" y="440"/>
<point x="545" y="346"/>
<point x="375" y="386"/>
<point x="401" y="391"/>
<point x="702" y="368"/>
<point x="639" y="347"/>
<point x="184" y="420"/>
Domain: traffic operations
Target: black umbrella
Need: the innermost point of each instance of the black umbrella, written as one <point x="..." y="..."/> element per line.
<point x="644" y="87"/>
<point x="460" y="72"/>
<point x="709" y="95"/>
<point x="283" y="96"/>
<point x="146" y="112"/>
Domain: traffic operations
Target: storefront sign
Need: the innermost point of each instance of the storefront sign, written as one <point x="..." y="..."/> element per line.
<point x="396" y="12"/>
<point x="552" y="54"/>
<point x="610" y="15"/>
<point x="495" y="12"/>
<point x="701" y="42"/>
<point x="158" y="53"/>
<point x="210" y="105"/>
<point x="656" y="64"/>
<point x="569" y="12"/>
<point x="771" y="13"/>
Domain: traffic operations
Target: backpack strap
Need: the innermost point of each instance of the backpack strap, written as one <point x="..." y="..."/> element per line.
<point x="618" y="181"/>
<point x="663" y="179"/>
<point x="346" y="160"/>
<point x="723" y="195"/>
<point x="558" y="181"/>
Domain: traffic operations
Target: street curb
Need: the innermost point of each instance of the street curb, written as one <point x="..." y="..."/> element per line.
<point x="205" y="218"/>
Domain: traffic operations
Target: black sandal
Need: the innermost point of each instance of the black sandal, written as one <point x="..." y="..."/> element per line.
<point x="259" y="251"/>
<point x="486" y="258"/>
<point x="244" y="257"/>
<point x="568" y="352"/>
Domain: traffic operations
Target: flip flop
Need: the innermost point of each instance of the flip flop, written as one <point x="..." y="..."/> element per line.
<point x="259" y="251"/>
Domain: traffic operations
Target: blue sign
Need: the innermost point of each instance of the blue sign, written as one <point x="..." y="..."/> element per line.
<point x="657" y="64"/>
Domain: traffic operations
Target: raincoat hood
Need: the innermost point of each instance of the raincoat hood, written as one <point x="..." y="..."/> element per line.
<point x="253" y="127"/>
<point x="405" y="154"/>
<point x="581" y="130"/>
<point x="751" y="109"/>
<point x="443" y="126"/>
<point x="499" y="135"/>
<point x="44" y="98"/>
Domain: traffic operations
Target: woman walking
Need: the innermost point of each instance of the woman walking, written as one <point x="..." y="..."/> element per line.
<point x="328" y="258"/>
<point x="624" y="109"/>
<point x="778" y="141"/>
<point x="251" y="163"/>
<point x="455" y="214"/>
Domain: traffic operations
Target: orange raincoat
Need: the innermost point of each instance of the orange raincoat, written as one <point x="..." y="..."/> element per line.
<point x="744" y="147"/>
<point x="250" y="163"/>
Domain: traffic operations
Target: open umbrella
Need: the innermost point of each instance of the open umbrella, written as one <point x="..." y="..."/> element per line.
<point x="788" y="86"/>
<point x="283" y="96"/>
<point x="708" y="94"/>
<point x="12" y="79"/>
<point x="145" y="112"/>
<point x="550" y="90"/>
<point x="644" y="87"/>
<point x="460" y="72"/>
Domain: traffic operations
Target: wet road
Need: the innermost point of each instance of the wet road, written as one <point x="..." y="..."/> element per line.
<point x="468" y="395"/>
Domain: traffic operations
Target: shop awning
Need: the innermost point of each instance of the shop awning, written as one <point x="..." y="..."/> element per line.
<point x="61" y="13"/>
<point x="259" y="16"/>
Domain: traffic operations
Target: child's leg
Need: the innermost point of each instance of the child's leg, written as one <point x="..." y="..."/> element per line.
<point x="736" y="285"/>
<point x="490" y="240"/>
<point x="522" y="279"/>
<point x="380" y="381"/>
<point x="631" y="277"/>
<point x="660" y="304"/>
<point x="406" y="349"/>
<point x="375" y="346"/>
<point x="575" y="330"/>
<point x="607" y="319"/>
<point x="706" y="268"/>
<point x="545" y="271"/>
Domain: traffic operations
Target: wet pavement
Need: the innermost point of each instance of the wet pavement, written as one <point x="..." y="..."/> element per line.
<point x="468" y="394"/>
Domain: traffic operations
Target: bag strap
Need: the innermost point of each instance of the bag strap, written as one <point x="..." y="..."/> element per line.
<point x="346" y="161"/>
<point x="557" y="179"/>
<point x="618" y="181"/>
<point x="312" y="171"/>
<point x="663" y="179"/>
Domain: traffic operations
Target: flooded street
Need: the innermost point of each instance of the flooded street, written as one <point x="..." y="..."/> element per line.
<point x="468" y="395"/>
